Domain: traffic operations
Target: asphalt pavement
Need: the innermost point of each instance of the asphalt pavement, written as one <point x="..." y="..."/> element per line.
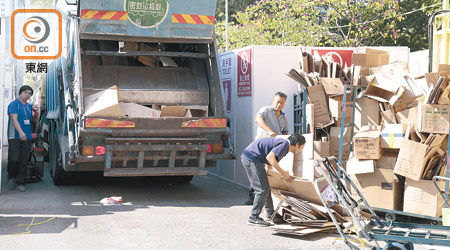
<point x="207" y="213"/>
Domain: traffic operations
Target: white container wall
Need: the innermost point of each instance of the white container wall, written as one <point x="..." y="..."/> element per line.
<point x="267" y="67"/>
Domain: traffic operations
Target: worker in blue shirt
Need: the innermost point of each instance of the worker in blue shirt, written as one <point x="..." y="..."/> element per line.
<point x="19" y="138"/>
<point x="267" y="151"/>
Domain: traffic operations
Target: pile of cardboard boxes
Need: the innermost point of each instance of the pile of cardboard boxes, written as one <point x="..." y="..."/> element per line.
<point x="109" y="103"/>
<point x="401" y="127"/>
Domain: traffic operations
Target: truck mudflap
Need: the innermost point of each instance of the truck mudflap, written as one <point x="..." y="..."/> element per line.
<point x="153" y="150"/>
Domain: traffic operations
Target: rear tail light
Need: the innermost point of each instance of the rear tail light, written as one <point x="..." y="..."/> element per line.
<point x="88" y="150"/>
<point x="218" y="148"/>
<point x="209" y="148"/>
<point x="100" y="150"/>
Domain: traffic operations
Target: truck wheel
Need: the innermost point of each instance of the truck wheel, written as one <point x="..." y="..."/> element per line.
<point x="60" y="177"/>
<point x="181" y="179"/>
<point x="394" y="246"/>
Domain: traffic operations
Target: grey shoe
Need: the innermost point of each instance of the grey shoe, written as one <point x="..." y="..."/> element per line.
<point x="257" y="222"/>
<point x="278" y="219"/>
<point x="21" y="188"/>
<point x="12" y="183"/>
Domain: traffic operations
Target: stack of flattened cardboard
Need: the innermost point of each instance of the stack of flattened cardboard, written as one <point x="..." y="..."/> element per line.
<point x="299" y="207"/>
<point x="401" y="124"/>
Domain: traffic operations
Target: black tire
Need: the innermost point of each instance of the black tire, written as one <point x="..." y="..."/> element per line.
<point x="181" y="179"/>
<point x="59" y="176"/>
<point x="394" y="246"/>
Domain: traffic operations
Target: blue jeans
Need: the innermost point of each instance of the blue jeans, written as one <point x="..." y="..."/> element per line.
<point x="258" y="180"/>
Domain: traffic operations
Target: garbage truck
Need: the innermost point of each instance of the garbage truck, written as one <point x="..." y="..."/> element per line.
<point x="136" y="91"/>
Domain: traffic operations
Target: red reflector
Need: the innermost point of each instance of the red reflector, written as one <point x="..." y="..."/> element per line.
<point x="100" y="150"/>
<point x="209" y="148"/>
<point x="36" y="149"/>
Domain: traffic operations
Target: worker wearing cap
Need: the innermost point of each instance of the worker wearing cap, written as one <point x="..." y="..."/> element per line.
<point x="263" y="152"/>
<point x="271" y="122"/>
<point x="19" y="138"/>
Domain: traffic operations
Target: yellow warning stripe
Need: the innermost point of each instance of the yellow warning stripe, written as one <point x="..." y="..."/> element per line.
<point x="188" y="18"/>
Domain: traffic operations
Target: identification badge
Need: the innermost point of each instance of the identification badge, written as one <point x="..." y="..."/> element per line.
<point x="26" y="122"/>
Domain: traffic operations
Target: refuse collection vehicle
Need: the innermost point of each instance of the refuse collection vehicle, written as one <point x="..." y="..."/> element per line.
<point x="165" y="115"/>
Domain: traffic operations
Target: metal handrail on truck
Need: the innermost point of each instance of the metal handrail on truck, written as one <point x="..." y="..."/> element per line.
<point x="370" y="226"/>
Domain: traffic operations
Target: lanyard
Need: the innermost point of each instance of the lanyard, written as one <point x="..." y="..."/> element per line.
<point x="24" y="111"/>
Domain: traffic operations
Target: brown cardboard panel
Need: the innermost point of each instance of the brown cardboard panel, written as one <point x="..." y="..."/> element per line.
<point x="332" y="86"/>
<point x="387" y="160"/>
<point x="136" y="110"/>
<point x="316" y="95"/>
<point x="366" y="113"/>
<point x="197" y="111"/>
<point x="173" y="111"/>
<point x="336" y="104"/>
<point x="443" y="67"/>
<point x="104" y="103"/>
<point x="321" y="149"/>
<point x="370" y="60"/>
<point x="408" y="116"/>
<point x="304" y="189"/>
<point x="422" y="197"/>
<point x="413" y="157"/>
<point x="335" y="133"/>
<point x="433" y="118"/>
<point x="432" y="78"/>
<point x="381" y="188"/>
<point x="375" y="51"/>
<point x="366" y="143"/>
<point x="383" y="95"/>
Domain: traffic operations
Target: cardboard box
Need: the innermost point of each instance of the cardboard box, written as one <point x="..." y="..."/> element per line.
<point x="384" y="92"/>
<point x="332" y="86"/>
<point x="413" y="157"/>
<point x="173" y="111"/>
<point x="370" y="60"/>
<point x="356" y="166"/>
<point x="366" y="143"/>
<point x="336" y="105"/>
<point x="104" y="103"/>
<point x="391" y="135"/>
<point x="316" y="95"/>
<point x="381" y="189"/>
<point x="387" y="160"/>
<point x="422" y="197"/>
<point x="321" y="149"/>
<point x="197" y="111"/>
<point x="433" y="118"/>
<point x="334" y="138"/>
<point x="366" y="113"/>
<point x="408" y="116"/>
<point x="138" y="111"/>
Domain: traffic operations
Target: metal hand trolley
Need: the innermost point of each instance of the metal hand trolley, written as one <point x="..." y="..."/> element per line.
<point x="391" y="235"/>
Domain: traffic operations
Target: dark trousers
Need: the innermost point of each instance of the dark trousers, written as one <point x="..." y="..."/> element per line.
<point x="258" y="179"/>
<point x="18" y="157"/>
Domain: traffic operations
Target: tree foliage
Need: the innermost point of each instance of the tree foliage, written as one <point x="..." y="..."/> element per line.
<point x="360" y="22"/>
<point x="342" y="23"/>
<point x="413" y="23"/>
<point x="274" y="22"/>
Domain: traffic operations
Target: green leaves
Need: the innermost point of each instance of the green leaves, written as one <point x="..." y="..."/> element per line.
<point x="342" y="23"/>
